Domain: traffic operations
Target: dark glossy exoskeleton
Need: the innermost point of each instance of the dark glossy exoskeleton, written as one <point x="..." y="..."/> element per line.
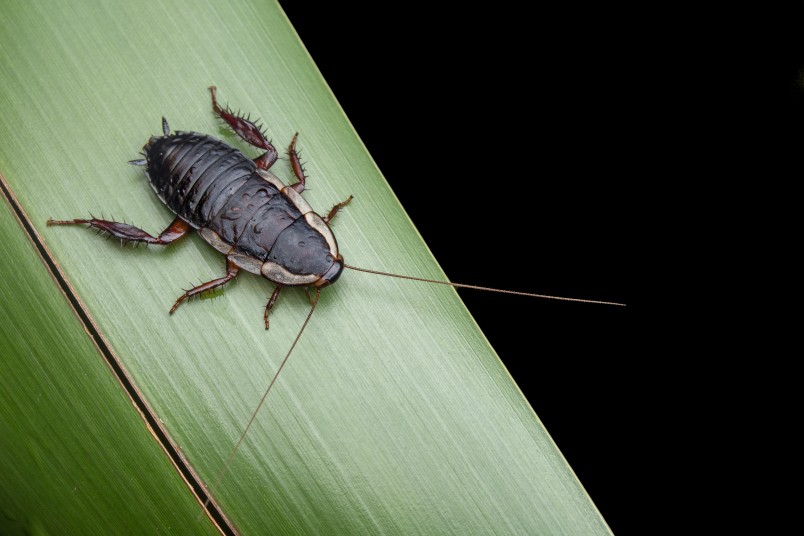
<point x="237" y="206"/>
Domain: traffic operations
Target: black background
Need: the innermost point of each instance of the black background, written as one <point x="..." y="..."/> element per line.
<point x="532" y="145"/>
<point x="792" y="48"/>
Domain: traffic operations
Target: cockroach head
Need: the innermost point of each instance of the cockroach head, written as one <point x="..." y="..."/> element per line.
<point x="331" y="275"/>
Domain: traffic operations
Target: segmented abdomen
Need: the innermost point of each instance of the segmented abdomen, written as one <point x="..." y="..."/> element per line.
<point x="191" y="173"/>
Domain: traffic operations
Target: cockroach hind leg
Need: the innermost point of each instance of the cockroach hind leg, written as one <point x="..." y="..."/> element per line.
<point x="247" y="130"/>
<point x="129" y="233"/>
<point x="138" y="162"/>
<point x="165" y="127"/>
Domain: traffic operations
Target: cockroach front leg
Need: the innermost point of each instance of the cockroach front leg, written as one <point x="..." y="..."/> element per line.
<point x="248" y="131"/>
<point x="270" y="304"/>
<point x="231" y="272"/>
<point x="127" y="232"/>
<point x="336" y="208"/>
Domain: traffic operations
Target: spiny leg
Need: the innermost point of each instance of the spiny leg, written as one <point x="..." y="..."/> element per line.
<point x="231" y="272"/>
<point x="124" y="231"/>
<point x="248" y="131"/>
<point x="336" y="208"/>
<point x="310" y="298"/>
<point x="270" y="304"/>
<point x="295" y="163"/>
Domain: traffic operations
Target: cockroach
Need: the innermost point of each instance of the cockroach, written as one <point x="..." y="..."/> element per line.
<point x="237" y="206"/>
<point x="247" y="213"/>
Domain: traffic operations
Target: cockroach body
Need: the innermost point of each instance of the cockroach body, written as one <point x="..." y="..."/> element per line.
<point x="237" y="206"/>
<point x="244" y="211"/>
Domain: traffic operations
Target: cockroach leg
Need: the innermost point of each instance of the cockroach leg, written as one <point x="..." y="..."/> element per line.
<point x="310" y="298"/>
<point x="231" y="272"/>
<point x="336" y="208"/>
<point x="248" y="132"/>
<point x="270" y="304"/>
<point x="296" y="164"/>
<point x="267" y="159"/>
<point x="127" y="232"/>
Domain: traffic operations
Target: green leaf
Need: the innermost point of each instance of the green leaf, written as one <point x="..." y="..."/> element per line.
<point x="77" y="458"/>
<point x="393" y="415"/>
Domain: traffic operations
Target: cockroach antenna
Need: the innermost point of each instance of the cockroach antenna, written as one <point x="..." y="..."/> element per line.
<point x="477" y="287"/>
<point x="225" y="468"/>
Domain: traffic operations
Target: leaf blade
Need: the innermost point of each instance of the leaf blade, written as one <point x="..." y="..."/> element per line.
<point x="432" y="417"/>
